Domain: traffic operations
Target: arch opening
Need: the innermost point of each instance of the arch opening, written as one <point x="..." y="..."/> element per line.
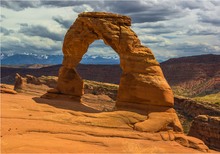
<point x="100" y="72"/>
<point x="100" y="53"/>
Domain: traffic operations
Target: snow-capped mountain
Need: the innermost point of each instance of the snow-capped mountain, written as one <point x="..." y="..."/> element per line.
<point x="29" y="58"/>
<point x="95" y="59"/>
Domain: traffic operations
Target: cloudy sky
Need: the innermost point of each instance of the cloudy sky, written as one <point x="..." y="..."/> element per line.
<point x="171" y="28"/>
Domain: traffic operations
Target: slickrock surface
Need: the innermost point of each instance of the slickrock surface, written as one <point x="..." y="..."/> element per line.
<point x="207" y="128"/>
<point x="33" y="124"/>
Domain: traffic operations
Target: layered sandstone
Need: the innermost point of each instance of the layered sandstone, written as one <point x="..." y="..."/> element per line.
<point x="30" y="124"/>
<point x="142" y="82"/>
<point x="207" y="128"/>
<point x="7" y="89"/>
<point x="156" y="125"/>
<point x="22" y="82"/>
<point x="192" y="108"/>
<point x="32" y="84"/>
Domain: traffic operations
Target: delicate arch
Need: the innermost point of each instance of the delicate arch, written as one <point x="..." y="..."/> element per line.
<point x="142" y="84"/>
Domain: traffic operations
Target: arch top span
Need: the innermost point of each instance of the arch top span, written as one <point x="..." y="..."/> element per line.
<point x="120" y="19"/>
<point x="113" y="29"/>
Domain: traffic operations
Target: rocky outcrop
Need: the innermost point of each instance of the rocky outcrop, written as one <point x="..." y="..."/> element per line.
<point x="142" y="81"/>
<point x="207" y="128"/>
<point x="21" y="82"/>
<point x="7" y="89"/>
<point x="34" y="85"/>
<point x="193" y="108"/>
<point x="100" y="88"/>
<point x="142" y="88"/>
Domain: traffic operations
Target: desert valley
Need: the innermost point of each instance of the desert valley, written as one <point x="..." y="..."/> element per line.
<point x="26" y="106"/>
<point x="139" y="106"/>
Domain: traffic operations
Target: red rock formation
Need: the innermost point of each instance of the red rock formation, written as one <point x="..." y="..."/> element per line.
<point x="142" y="81"/>
<point x="6" y="89"/>
<point x="193" y="108"/>
<point x="195" y="75"/>
<point x="207" y="128"/>
<point x="19" y="82"/>
<point x="142" y="84"/>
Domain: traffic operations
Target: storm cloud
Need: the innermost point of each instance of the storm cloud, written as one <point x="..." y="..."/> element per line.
<point x="211" y="18"/>
<point x="6" y="31"/>
<point x="41" y="31"/>
<point x="19" y="5"/>
<point x="200" y="30"/>
<point x="11" y="45"/>
<point x="196" y="48"/>
<point x="64" y="23"/>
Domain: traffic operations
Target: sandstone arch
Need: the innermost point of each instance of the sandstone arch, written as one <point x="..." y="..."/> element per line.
<point x="142" y="88"/>
<point x="142" y="81"/>
<point x="142" y="84"/>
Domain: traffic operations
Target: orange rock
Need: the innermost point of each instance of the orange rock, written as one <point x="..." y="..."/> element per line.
<point x="142" y="81"/>
<point x="142" y="84"/>
<point x="32" y="124"/>
<point x="159" y="121"/>
<point x="207" y="129"/>
<point x="7" y="89"/>
<point x="19" y="82"/>
<point x="191" y="142"/>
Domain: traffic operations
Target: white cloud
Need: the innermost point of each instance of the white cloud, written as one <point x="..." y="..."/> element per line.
<point x="35" y="44"/>
<point x="203" y="30"/>
<point x="82" y="8"/>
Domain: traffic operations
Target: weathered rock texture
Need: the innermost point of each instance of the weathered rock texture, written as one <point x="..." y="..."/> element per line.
<point x="142" y="84"/>
<point x="30" y="124"/>
<point x="193" y="108"/>
<point x="21" y="82"/>
<point x="40" y="84"/>
<point x="162" y="125"/>
<point x="7" y="89"/>
<point x="207" y="128"/>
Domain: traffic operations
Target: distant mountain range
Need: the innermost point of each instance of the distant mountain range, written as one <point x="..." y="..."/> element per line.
<point x="188" y="76"/>
<point x="19" y="59"/>
<point x="193" y="76"/>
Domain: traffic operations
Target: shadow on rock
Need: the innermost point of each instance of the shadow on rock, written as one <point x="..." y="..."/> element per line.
<point x="64" y="104"/>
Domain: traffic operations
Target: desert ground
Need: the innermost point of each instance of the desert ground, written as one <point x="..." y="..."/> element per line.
<point x="30" y="124"/>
